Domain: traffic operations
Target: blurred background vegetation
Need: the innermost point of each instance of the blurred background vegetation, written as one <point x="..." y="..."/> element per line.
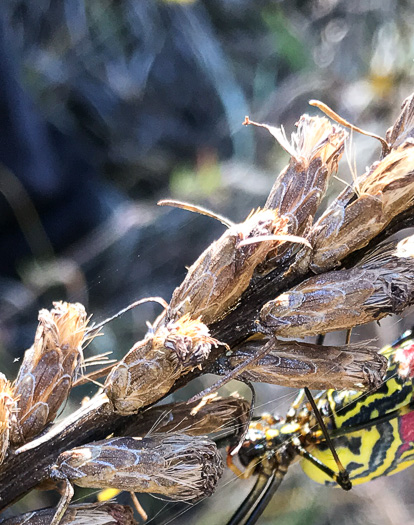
<point x="107" y="106"/>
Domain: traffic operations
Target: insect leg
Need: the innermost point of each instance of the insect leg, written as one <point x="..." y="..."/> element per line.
<point x="63" y="503"/>
<point x="234" y="373"/>
<point x="342" y="477"/>
<point x="138" y="506"/>
<point x="267" y="483"/>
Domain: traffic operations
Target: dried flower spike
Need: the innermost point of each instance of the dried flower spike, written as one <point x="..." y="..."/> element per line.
<point x="151" y="367"/>
<point x="176" y="466"/>
<point x="48" y="368"/>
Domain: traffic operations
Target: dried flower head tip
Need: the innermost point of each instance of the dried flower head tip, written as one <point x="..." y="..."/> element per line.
<point x="394" y="177"/>
<point x="48" y="368"/>
<point x="223" y="271"/>
<point x="7" y="407"/>
<point x="314" y="137"/>
<point x="189" y="338"/>
<point x="71" y="321"/>
<point x="151" y="367"/>
<point x="359" y="214"/>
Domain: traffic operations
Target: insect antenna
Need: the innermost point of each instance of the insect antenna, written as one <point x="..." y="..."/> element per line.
<point x="233" y="373"/>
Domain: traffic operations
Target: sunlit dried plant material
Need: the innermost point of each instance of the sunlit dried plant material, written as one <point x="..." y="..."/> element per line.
<point x="151" y="367"/>
<point x="48" y="368"/>
<point x="214" y="414"/>
<point x="340" y="120"/>
<point x="380" y="285"/>
<point x="223" y="271"/>
<point x="175" y="466"/>
<point x="315" y="148"/>
<point x="85" y="514"/>
<point x="294" y="364"/>
<point x="403" y="129"/>
<point x="7" y="408"/>
<point x="361" y="212"/>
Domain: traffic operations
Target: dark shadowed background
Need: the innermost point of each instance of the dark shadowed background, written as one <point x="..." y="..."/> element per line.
<point x="107" y="106"/>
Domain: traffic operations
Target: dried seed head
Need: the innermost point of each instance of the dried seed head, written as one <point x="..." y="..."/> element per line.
<point x="315" y="137"/>
<point x="7" y="407"/>
<point x="223" y="271"/>
<point x="339" y="300"/>
<point x="98" y="514"/>
<point x="293" y="364"/>
<point x="213" y="414"/>
<point x="189" y="339"/>
<point x="359" y="214"/>
<point x="151" y="367"/>
<point x="46" y="374"/>
<point x="177" y="466"/>
<point x="315" y="150"/>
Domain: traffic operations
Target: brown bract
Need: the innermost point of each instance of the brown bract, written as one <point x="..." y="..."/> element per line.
<point x="151" y="367"/>
<point x="213" y="414"/>
<point x="315" y="148"/>
<point x="362" y="212"/>
<point x="179" y="466"/>
<point x="294" y="364"/>
<point x="339" y="300"/>
<point x="46" y="374"/>
<point x="223" y="271"/>
<point x="85" y="514"/>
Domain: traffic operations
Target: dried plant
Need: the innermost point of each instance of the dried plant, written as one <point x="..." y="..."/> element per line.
<point x="99" y="514"/>
<point x="48" y="369"/>
<point x="7" y="408"/>
<point x="152" y="366"/>
<point x="257" y="279"/>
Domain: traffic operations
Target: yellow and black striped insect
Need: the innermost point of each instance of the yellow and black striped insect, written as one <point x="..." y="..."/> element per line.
<point x="372" y="433"/>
